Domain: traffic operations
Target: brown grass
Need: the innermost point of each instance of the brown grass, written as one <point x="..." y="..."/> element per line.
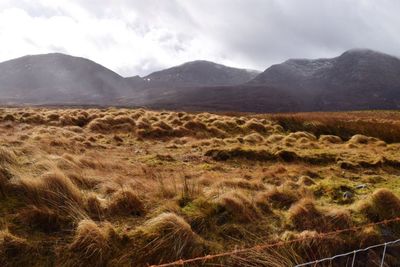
<point x="305" y="215"/>
<point x="90" y="245"/>
<point x="281" y="197"/>
<point x="56" y="191"/>
<point x="125" y="203"/>
<point x="382" y="205"/>
<point x="126" y="187"/>
<point x="384" y="125"/>
<point x="15" y="251"/>
<point x="167" y="237"/>
<point x="236" y="206"/>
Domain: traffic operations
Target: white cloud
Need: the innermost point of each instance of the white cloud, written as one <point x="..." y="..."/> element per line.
<point x="137" y="37"/>
<point x="120" y="40"/>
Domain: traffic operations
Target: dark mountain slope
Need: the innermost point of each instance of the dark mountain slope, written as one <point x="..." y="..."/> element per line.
<point x="357" y="79"/>
<point x="58" y="78"/>
<point x="198" y="73"/>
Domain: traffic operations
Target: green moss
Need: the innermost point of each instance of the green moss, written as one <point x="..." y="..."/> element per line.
<point x="335" y="190"/>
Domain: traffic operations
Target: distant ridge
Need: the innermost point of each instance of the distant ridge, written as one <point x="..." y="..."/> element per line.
<point x="194" y="74"/>
<point x="357" y="79"/>
<point x="58" y="78"/>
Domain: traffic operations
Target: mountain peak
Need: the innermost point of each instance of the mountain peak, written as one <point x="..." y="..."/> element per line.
<point x="364" y="52"/>
<point x="199" y="73"/>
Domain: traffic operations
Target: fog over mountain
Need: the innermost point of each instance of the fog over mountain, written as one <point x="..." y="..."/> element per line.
<point x="199" y="73"/>
<point x="140" y="37"/>
<point x="58" y="79"/>
<point x="357" y="79"/>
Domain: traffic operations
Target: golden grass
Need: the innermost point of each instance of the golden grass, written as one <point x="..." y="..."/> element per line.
<point x="167" y="237"/>
<point x="125" y="202"/>
<point x="133" y="187"/>
<point x="90" y="245"/>
<point x="384" y="125"/>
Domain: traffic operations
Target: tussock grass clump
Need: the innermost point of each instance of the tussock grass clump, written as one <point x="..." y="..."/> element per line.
<point x="241" y="183"/>
<point x="53" y="117"/>
<point x="274" y="138"/>
<point x="235" y="206"/>
<point x="301" y="134"/>
<point x="195" y="126"/>
<point x="95" y="207"/>
<point x="109" y="122"/>
<point x="305" y="180"/>
<point x="7" y="156"/>
<point x="200" y="213"/>
<point x="9" y="117"/>
<point x="125" y="203"/>
<point x="262" y="202"/>
<point x="304" y="215"/>
<point x="241" y="153"/>
<point x="382" y="205"/>
<point x="90" y="245"/>
<point x="53" y="190"/>
<point x="15" y="251"/>
<point x="155" y="133"/>
<point x="361" y="139"/>
<point x="8" y="160"/>
<point x="33" y="118"/>
<point x="164" y="238"/>
<point x="281" y="197"/>
<point x="82" y="181"/>
<point x="331" y="139"/>
<point x="5" y="176"/>
<point x="163" y="125"/>
<point x="215" y="132"/>
<point x="43" y="219"/>
<point x="227" y="126"/>
<point x="255" y="126"/>
<point x="313" y="247"/>
<point x="384" y="126"/>
<point x="253" y="138"/>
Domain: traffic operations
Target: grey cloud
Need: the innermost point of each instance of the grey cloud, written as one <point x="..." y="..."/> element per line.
<point x="248" y="33"/>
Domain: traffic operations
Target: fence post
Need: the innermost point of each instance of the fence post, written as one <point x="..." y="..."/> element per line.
<point x="383" y="256"/>
<point x="354" y="258"/>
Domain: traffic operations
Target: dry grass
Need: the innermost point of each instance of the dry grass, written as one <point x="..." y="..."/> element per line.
<point x="125" y="203"/>
<point x="167" y="237"/>
<point x="90" y="245"/>
<point x="382" y="205"/>
<point x="126" y="187"/>
<point x="15" y="251"/>
<point x="281" y="197"/>
<point x="236" y="206"/>
<point x="384" y="125"/>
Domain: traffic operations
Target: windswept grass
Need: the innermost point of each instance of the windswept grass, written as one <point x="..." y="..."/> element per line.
<point x="135" y="187"/>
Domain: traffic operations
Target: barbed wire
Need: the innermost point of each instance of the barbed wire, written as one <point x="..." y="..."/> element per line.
<point x="258" y="247"/>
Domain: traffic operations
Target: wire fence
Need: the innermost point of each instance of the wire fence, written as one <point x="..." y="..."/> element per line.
<point x="259" y="247"/>
<point x="354" y="253"/>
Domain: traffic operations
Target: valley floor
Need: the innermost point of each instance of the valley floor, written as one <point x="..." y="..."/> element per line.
<point x="133" y="187"/>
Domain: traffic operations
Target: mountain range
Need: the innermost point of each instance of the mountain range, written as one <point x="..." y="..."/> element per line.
<point x="357" y="79"/>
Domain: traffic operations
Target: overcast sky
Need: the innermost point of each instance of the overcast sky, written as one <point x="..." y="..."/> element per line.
<point x="140" y="36"/>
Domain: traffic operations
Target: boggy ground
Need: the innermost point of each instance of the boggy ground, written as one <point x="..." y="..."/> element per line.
<point x="121" y="187"/>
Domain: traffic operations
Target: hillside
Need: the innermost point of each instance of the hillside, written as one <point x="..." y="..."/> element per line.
<point x="135" y="187"/>
<point x="58" y="79"/>
<point x="356" y="80"/>
<point x="198" y="73"/>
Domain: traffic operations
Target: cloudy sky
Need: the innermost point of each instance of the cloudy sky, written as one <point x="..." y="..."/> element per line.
<point x="137" y="37"/>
